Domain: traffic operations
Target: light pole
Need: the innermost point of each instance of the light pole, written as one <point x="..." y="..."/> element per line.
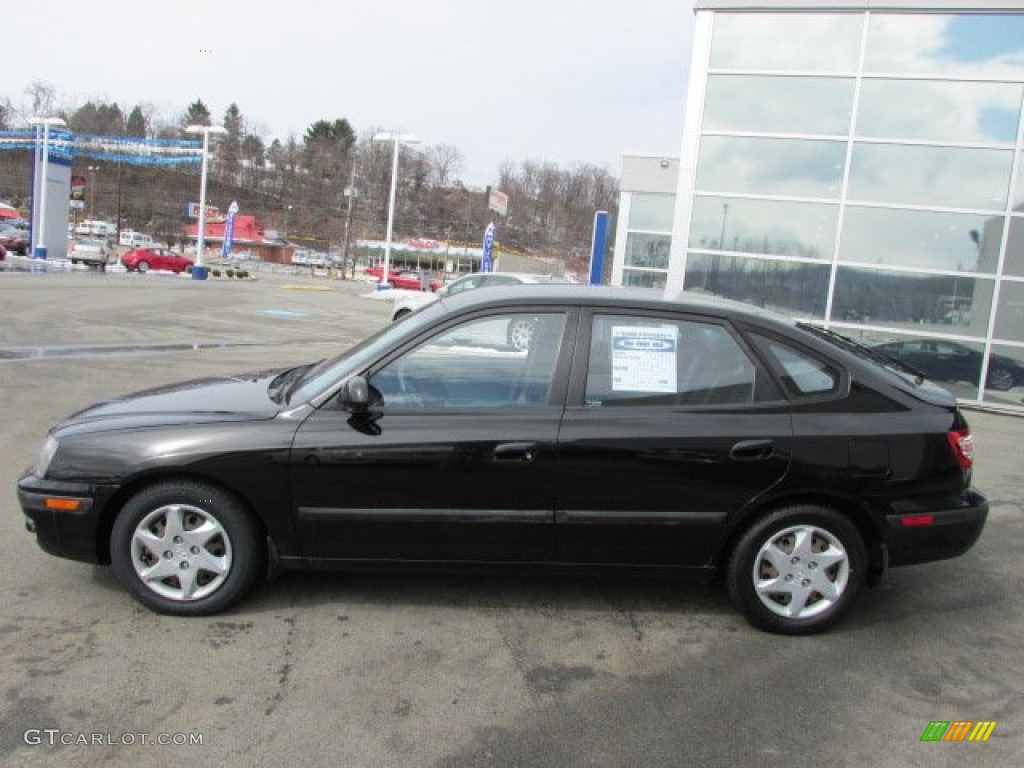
<point x="398" y="139"/>
<point x="198" y="270"/>
<point x="94" y="171"/>
<point x="40" y="226"/>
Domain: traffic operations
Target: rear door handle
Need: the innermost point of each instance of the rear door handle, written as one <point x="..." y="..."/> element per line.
<point x="515" y="452"/>
<point x="752" y="450"/>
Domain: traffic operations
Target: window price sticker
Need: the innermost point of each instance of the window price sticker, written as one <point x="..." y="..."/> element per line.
<point x="644" y="358"/>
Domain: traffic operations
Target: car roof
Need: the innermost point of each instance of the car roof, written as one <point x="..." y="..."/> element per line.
<point x="608" y="296"/>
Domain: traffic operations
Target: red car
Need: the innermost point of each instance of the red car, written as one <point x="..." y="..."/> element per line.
<point x="145" y="259"/>
<point x="407" y="279"/>
<point x="14" y="240"/>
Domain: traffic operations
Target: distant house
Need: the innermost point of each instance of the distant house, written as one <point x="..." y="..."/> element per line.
<point x="249" y="235"/>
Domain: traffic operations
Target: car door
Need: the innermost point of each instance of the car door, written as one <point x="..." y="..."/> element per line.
<point x="455" y="460"/>
<point x="672" y="426"/>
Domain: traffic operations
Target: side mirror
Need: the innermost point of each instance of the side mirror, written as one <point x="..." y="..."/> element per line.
<point x="355" y="395"/>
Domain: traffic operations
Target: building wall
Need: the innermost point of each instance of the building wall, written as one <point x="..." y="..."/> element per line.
<point x="859" y="165"/>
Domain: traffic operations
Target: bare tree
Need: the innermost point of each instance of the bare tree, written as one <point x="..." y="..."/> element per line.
<point x="445" y="163"/>
<point x="42" y="99"/>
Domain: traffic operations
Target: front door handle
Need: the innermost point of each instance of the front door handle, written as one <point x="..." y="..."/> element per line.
<point x="752" y="450"/>
<point x="515" y="452"/>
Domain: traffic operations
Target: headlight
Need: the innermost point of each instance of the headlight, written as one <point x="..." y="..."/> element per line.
<point x="46" y="454"/>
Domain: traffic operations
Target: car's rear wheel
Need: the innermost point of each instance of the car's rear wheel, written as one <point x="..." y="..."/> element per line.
<point x="797" y="570"/>
<point x="143" y="266"/>
<point x="186" y="548"/>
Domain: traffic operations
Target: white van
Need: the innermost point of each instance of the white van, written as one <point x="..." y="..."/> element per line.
<point x="133" y="239"/>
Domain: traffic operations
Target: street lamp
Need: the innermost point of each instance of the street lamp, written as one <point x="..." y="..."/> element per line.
<point x="398" y="139"/>
<point x="40" y="226"/>
<point x="198" y="270"/>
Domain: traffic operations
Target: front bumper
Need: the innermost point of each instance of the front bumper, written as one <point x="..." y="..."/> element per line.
<point x="60" y="529"/>
<point x="928" y="529"/>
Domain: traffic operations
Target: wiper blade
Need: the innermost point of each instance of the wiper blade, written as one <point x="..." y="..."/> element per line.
<point x="845" y="342"/>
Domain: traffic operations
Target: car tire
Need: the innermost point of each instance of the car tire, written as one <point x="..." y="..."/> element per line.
<point x="797" y="570"/>
<point x="143" y="266"/>
<point x="1000" y="379"/>
<point x="520" y="332"/>
<point x="213" y="540"/>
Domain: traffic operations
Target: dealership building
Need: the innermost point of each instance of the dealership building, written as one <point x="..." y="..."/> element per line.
<point x="856" y="164"/>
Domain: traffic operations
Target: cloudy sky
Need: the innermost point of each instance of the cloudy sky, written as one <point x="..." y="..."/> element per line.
<point x="549" y="80"/>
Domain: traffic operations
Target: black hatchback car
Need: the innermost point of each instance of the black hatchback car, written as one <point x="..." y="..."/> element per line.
<point x="695" y="437"/>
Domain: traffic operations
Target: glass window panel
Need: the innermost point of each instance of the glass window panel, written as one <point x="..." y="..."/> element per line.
<point x="977" y="45"/>
<point x="650" y="251"/>
<point x="953" y="364"/>
<point x="941" y="176"/>
<point x="786" y="41"/>
<point x="786" y="287"/>
<point x="765" y="104"/>
<point x="1010" y="312"/>
<point x="940" y="303"/>
<point x="937" y="111"/>
<point x="772" y="227"/>
<point x="771" y="166"/>
<point x="1014" y="263"/>
<point x="641" y="279"/>
<point x="651" y="212"/>
<point x="475" y="365"/>
<point x="1005" y="380"/>
<point x="638" y="360"/>
<point x="933" y="240"/>
<point x="1018" y="195"/>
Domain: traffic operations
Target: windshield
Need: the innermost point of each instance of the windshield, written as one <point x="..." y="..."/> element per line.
<point x="327" y="373"/>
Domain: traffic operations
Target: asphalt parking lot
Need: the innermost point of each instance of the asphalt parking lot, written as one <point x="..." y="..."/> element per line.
<point x="387" y="670"/>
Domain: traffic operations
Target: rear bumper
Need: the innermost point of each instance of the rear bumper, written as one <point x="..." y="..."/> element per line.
<point x="929" y="529"/>
<point x="69" y="533"/>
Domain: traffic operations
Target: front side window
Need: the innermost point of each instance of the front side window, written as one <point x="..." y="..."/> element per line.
<point x="499" y="361"/>
<point x="652" y="361"/>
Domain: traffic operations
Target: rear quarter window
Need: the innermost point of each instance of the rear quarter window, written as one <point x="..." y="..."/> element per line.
<point x="802" y="374"/>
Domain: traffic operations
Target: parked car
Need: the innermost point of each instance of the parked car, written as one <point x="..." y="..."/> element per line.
<point x="145" y="259"/>
<point x="3" y="253"/>
<point x="519" y="332"/>
<point x="408" y="279"/>
<point x="697" y="437"/>
<point x="14" y="240"/>
<point x="93" y="252"/>
<point x="948" y="361"/>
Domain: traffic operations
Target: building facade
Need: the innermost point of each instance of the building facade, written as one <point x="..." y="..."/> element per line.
<point x="857" y="164"/>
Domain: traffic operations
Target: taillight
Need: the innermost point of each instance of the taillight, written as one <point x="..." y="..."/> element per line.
<point x="962" y="443"/>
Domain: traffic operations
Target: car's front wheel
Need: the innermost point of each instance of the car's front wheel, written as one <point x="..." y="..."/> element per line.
<point x="797" y="570"/>
<point x="1000" y="379"/>
<point x="186" y="548"/>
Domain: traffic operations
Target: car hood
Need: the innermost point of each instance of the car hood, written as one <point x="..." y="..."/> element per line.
<point x="237" y="397"/>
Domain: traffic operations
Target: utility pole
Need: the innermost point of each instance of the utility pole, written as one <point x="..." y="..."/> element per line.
<point x="350" y="193"/>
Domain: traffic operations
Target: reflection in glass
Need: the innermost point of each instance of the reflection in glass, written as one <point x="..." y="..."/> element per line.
<point x="798" y="167"/>
<point x="644" y="250"/>
<point x="640" y="279"/>
<point x="940" y="303"/>
<point x="771" y="227"/>
<point x="1010" y="312"/>
<point x="942" y="176"/>
<point x="767" y="104"/>
<point x="1018" y="194"/>
<point x="1014" y="263"/>
<point x="786" y="41"/>
<point x="1005" y="373"/>
<point x="928" y="239"/>
<point x="939" y="111"/>
<point x="975" y="45"/>
<point x="791" y="288"/>
<point x="651" y="212"/>
<point x="950" y="363"/>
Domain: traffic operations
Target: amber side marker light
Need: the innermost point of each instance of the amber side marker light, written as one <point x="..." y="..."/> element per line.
<point x="63" y="505"/>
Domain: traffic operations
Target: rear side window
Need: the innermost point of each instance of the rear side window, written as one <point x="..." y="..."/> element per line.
<point x="801" y="373"/>
<point x="638" y="360"/>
